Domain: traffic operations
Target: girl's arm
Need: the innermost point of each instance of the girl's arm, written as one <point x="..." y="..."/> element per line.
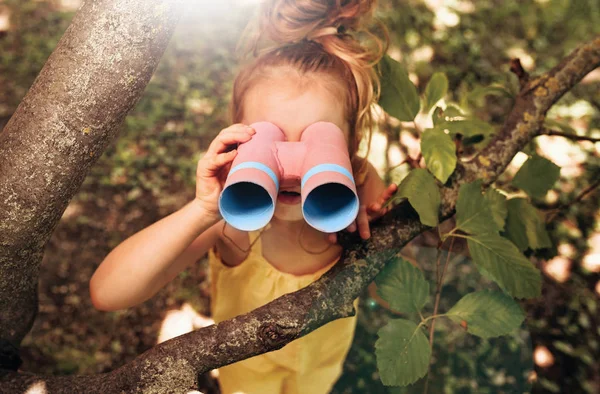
<point x="141" y="265"/>
<point x="136" y="269"/>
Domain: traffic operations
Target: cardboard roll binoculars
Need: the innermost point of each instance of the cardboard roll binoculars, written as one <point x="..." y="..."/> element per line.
<point x="321" y="163"/>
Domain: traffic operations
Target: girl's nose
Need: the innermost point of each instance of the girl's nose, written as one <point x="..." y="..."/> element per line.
<point x="292" y="134"/>
<point x="290" y="181"/>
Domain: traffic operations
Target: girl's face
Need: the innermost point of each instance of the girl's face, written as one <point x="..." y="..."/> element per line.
<point x="293" y="104"/>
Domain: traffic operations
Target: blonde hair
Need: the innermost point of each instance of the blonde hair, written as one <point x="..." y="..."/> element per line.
<point x="317" y="37"/>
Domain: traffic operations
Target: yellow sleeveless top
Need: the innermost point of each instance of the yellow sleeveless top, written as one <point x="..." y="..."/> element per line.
<point x="240" y="289"/>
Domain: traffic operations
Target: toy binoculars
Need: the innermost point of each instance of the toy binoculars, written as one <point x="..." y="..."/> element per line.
<point x="321" y="163"/>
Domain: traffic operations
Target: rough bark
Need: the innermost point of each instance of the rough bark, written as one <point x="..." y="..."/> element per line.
<point x="173" y="365"/>
<point x="71" y="113"/>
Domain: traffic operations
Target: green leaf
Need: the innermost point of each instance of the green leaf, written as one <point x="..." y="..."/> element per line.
<point x="402" y="352"/>
<point x="488" y="313"/>
<point x="439" y="152"/>
<point x="399" y="96"/>
<point x="450" y="114"/>
<point x="473" y="214"/>
<point x="549" y="385"/>
<point x="468" y="128"/>
<point x="436" y="89"/>
<point x="437" y="116"/>
<point x="525" y="227"/>
<point x="423" y="195"/>
<point x="564" y="347"/>
<point x="453" y="111"/>
<point x="403" y="286"/>
<point x="500" y="260"/>
<point x="497" y="203"/>
<point x="479" y="93"/>
<point x="536" y="176"/>
<point x="562" y="126"/>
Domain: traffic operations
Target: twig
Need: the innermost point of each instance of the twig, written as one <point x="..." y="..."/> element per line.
<point x="573" y="137"/>
<point x="517" y="68"/>
<point x="584" y="193"/>
<point x="580" y="196"/>
<point x="438" y="291"/>
<point x="414" y="163"/>
<point x="556" y="209"/>
<point x="438" y="294"/>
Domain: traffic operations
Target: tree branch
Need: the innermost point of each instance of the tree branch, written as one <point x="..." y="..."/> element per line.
<point x="555" y="209"/>
<point x="573" y="137"/>
<point x="93" y="78"/>
<point x="526" y="118"/>
<point x="174" y="364"/>
<point x="517" y="68"/>
<point x="439" y="278"/>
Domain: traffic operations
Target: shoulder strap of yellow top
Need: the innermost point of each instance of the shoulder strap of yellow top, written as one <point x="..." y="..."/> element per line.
<point x="255" y="241"/>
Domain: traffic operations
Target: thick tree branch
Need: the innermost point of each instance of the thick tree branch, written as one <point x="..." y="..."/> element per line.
<point x="73" y="110"/>
<point x="531" y="105"/>
<point x="175" y="363"/>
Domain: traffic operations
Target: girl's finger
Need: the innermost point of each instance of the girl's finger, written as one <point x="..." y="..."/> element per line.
<point x="388" y="193"/>
<point x="332" y="238"/>
<point x="236" y="128"/>
<point x="363" y="222"/>
<point x="214" y="164"/>
<point x="352" y="227"/>
<point x="222" y="159"/>
<point x="385" y="210"/>
<point x="373" y="209"/>
<point x="226" y="140"/>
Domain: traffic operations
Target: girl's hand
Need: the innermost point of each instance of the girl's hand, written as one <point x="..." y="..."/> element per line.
<point x="368" y="213"/>
<point x="214" y="166"/>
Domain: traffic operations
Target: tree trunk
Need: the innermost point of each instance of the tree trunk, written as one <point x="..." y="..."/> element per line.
<point x="74" y="109"/>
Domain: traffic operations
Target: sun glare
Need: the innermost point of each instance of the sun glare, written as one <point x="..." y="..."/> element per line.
<point x="181" y="321"/>
<point x="37" y="388"/>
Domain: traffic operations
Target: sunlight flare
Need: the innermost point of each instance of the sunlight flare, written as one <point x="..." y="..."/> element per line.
<point x="181" y="321"/>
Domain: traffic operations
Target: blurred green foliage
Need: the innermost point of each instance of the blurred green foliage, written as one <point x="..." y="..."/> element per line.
<point x="186" y="104"/>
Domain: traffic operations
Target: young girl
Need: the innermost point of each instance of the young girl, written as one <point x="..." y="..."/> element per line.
<point x="314" y="70"/>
